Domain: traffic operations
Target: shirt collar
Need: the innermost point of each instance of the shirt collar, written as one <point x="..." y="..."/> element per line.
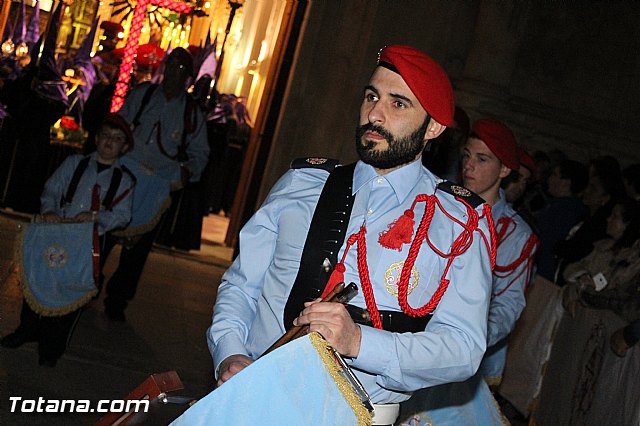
<point x="402" y="180"/>
<point x="497" y="210"/>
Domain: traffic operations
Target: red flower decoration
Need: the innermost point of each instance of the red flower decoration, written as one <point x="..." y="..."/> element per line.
<point x="68" y="123"/>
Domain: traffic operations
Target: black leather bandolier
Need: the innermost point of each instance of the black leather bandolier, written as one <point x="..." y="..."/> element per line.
<point x="114" y="184"/>
<point x="320" y="254"/>
<point x="325" y="237"/>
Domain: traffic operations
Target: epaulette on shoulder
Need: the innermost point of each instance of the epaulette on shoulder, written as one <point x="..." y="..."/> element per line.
<point x="328" y="164"/>
<point x="460" y="191"/>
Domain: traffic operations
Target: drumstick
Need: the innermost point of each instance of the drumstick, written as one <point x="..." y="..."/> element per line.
<point x="299" y="330"/>
<point x="341" y="296"/>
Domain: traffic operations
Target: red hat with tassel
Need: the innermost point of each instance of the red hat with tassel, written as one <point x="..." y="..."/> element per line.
<point x="499" y="139"/>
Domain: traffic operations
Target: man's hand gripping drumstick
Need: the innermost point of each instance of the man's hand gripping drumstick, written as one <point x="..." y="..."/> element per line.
<point x="316" y="316"/>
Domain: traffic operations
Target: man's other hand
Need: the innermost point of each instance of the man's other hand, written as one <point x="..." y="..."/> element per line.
<point x="231" y="366"/>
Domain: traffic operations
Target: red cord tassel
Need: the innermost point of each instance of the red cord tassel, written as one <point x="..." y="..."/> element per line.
<point x="400" y="232"/>
<point x="337" y="277"/>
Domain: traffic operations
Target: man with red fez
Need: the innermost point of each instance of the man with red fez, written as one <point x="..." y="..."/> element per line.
<point x="419" y="249"/>
<point x="148" y="60"/>
<point x="171" y="150"/>
<point x="489" y="156"/>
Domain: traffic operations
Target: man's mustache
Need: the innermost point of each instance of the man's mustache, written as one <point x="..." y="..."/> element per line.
<point x="375" y="128"/>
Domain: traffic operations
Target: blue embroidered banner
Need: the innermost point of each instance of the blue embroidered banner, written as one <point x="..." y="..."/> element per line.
<point x="56" y="266"/>
<point x="297" y="384"/>
<point x="151" y="198"/>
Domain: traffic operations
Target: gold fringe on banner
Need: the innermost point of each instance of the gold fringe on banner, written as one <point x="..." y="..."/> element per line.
<point x="143" y="229"/>
<point x="323" y="348"/>
<point x="39" y="308"/>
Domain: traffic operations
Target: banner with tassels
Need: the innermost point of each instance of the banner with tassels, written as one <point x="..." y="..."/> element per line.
<point x="296" y="384"/>
<point x="56" y="266"/>
<point x="152" y="198"/>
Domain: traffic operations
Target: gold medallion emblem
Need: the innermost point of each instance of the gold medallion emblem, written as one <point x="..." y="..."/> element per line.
<point x="392" y="277"/>
<point x="458" y="190"/>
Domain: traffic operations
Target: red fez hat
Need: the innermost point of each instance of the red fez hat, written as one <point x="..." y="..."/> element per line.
<point x="526" y="160"/>
<point x="149" y="56"/>
<point x="119" y="122"/>
<point x="425" y="77"/>
<point x="500" y="141"/>
<point x="111" y="27"/>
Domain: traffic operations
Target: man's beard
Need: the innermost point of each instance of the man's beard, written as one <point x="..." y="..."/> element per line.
<point x="400" y="151"/>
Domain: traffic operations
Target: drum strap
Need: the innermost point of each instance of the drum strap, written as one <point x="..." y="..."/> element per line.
<point x="324" y="239"/>
<point x="107" y="202"/>
<point x="75" y="180"/>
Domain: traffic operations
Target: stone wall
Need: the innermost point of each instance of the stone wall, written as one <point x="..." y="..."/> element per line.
<point x="561" y="74"/>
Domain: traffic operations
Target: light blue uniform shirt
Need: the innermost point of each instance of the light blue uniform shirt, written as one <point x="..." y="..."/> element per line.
<point x="506" y="305"/>
<point x="170" y="114"/>
<point x="247" y="316"/>
<point x="505" y="309"/>
<point x="156" y="173"/>
<point x="57" y="185"/>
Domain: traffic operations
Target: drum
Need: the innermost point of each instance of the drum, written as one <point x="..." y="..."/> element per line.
<point x="300" y="383"/>
<point x="56" y="266"/>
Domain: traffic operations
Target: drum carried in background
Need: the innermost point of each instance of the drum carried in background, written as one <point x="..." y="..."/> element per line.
<point x="300" y="383"/>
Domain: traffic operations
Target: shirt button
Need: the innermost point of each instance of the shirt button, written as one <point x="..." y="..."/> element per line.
<point x="380" y="180"/>
<point x="369" y="212"/>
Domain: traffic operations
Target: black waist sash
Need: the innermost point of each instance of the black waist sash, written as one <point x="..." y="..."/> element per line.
<point x="324" y="239"/>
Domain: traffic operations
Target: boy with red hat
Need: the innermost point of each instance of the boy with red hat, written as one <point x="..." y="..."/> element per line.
<point x="93" y="188"/>
<point x="489" y="156"/>
<point x="418" y="248"/>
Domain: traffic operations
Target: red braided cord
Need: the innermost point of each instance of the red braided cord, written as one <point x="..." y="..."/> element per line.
<point x="493" y="249"/>
<point x="350" y="241"/>
<point x="528" y="252"/>
<point x="403" y="283"/>
<point x="466" y="226"/>
<point x="459" y="246"/>
<point x="504" y="229"/>
<point x="365" y="280"/>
